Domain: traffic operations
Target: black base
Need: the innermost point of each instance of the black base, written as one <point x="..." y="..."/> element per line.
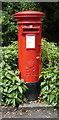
<point x="33" y="91"/>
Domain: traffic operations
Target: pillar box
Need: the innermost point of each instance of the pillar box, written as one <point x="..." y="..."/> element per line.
<point x="29" y="49"/>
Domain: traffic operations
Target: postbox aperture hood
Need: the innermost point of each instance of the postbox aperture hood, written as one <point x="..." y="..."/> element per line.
<point x="29" y="12"/>
<point x="26" y="15"/>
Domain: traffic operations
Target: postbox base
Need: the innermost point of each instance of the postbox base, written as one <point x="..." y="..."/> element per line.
<point x="33" y="90"/>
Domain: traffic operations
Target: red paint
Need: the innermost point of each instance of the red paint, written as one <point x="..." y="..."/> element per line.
<point x="29" y="59"/>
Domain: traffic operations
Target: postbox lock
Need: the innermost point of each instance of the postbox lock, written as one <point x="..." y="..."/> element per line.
<point x="37" y="57"/>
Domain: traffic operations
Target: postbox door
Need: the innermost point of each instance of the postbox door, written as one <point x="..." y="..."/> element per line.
<point x="30" y="51"/>
<point x="33" y="56"/>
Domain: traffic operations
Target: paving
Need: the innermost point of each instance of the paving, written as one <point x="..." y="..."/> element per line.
<point x="31" y="110"/>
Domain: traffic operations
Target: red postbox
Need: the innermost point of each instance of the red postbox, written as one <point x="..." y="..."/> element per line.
<point x="29" y="49"/>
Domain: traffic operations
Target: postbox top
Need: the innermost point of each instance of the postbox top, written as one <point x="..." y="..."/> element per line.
<point x="29" y="13"/>
<point x="28" y="17"/>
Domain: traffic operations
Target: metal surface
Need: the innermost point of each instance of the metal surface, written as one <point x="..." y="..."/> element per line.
<point x="33" y="90"/>
<point x="29" y="44"/>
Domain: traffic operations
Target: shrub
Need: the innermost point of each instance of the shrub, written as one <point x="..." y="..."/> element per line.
<point x="10" y="56"/>
<point x="11" y="86"/>
<point x="50" y="73"/>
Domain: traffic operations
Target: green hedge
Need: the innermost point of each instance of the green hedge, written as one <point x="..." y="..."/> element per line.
<point x="50" y="73"/>
<point x="12" y="88"/>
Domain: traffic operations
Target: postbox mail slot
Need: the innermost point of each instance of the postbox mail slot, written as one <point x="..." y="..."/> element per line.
<point x="31" y="30"/>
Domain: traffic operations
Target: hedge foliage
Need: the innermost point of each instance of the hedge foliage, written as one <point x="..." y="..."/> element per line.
<point x="50" y="73"/>
<point x="13" y="88"/>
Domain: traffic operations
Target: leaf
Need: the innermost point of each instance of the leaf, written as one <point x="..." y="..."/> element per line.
<point x="51" y="98"/>
<point x="22" y="80"/>
<point x="1" y="89"/>
<point x="6" y="89"/>
<point x="44" y="72"/>
<point x="56" y="71"/>
<point x="24" y="86"/>
<point x="17" y="79"/>
<point x="10" y="90"/>
<point x="43" y="83"/>
<point x="13" y="80"/>
<point x="6" y="80"/>
<point x="12" y="73"/>
<point x="13" y="102"/>
<point x="10" y="95"/>
<point x="6" y="73"/>
<point x="9" y="101"/>
<point x="14" y="87"/>
<point x="54" y="104"/>
<point x="19" y="100"/>
<point x="17" y="72"/>
<point x="45" y="96"/>
<point x="8" y="84"/>
<point x="40" y="76"/>
<point x="9" y="76"/>
<point x="17" y="83"/>
<point x="44" y="89"/>
<point x="1" y="84"/>
<point x="20" y="89"/>
<point x="2" y="76"/>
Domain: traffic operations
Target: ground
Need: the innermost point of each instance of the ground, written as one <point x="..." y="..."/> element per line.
<point x="29" y="110"/>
